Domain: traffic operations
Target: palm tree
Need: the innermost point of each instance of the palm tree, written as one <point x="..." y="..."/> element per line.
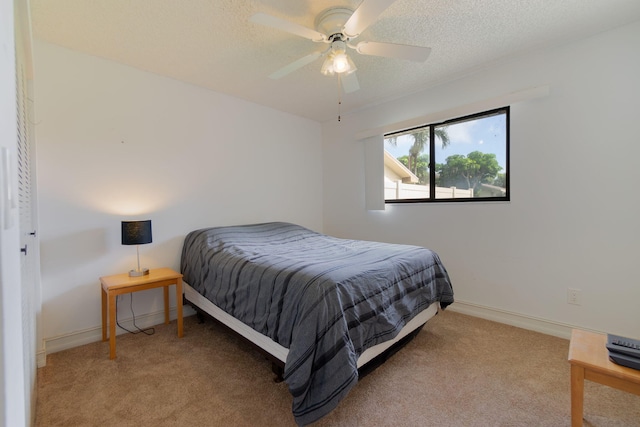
<point x="420" y="142"/>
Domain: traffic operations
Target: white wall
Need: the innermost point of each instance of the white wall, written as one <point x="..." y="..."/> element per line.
<point x="573" y="219"/>
<point x="115" y="143"/>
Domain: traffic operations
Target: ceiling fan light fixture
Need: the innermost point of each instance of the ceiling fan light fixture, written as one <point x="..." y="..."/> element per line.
<point x="327" y="66"/>
<point x="351" y="65"/>
<point x="341" y="63"/>
<point x="337" y="61"/>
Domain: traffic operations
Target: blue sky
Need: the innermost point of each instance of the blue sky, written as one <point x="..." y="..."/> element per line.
<point x="486" y="134"/>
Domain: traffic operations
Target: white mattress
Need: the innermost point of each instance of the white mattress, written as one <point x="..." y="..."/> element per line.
<point x="280" y="352"/>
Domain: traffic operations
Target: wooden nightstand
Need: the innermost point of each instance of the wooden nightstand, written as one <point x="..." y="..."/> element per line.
<point x="589" y="360"/>
<point x="119" y="284"/>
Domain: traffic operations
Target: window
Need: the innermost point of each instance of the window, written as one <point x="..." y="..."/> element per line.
<point x="463" y="159"/>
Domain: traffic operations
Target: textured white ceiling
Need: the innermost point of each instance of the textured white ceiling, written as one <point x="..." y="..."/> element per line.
<point x="211" y="43"/>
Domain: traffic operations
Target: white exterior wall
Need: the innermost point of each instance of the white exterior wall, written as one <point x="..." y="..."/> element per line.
<point x="570" y="223"/>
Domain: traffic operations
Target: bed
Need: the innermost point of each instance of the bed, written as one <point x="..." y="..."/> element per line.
<point x="321" y="305"/>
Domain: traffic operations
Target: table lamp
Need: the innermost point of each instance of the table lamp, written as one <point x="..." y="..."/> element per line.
<point x="137" y="233"/>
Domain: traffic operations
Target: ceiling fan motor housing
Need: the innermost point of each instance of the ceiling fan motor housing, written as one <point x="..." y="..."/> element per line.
<point x="332" y="21"/>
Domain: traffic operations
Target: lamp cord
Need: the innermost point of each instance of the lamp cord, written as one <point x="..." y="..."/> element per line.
<point x="147" y="331"/>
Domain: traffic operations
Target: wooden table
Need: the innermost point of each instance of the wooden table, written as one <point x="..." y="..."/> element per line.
<point x="589" y="360"/>
<point x="119" y="284"/>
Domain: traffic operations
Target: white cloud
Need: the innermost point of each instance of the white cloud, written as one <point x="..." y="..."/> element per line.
<point x="461" y="132"/>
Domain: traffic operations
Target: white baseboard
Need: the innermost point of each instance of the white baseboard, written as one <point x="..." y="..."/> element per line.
<point x="86" y="336"/>
<point x="41" y="357"/>
<point x="544" y="326"/>
<point x="78" y="338"/>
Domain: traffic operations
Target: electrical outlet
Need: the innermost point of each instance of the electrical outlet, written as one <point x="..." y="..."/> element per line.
<point x="574" y="296"/>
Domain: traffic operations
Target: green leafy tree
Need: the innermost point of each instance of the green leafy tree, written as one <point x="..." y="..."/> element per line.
<point x="422" y="167"/>
<point x="469" y="171"/>
<point x="501" y="180"/>
<point x="420" y="143"/>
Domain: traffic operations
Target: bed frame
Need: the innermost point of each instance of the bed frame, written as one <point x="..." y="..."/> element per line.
<point x="277" y="354"/>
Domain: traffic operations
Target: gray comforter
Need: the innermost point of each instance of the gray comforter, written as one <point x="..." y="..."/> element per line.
<point x="325" y="299"/>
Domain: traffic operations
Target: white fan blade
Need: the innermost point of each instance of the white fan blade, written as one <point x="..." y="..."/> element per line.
<point x="365" y="15"/>
<point x="350" y="82"/>
<point x="290" y="27"/>
<point x="392" y="50"/>
<point x="295" y="65"/>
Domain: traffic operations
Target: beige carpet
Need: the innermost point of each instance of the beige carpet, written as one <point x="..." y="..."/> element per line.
<point x="459" y="371"/>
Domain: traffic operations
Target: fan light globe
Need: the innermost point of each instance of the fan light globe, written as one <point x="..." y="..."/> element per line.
<point x="337" y="60"/>
<point x="340" y="63"/>
<point x="327" y="66"/>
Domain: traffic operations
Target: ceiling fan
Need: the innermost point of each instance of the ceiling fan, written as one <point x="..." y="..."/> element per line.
<point x="338" y="27"/>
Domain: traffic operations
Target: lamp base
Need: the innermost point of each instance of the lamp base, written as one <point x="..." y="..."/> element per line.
<point x="138" y="273"/>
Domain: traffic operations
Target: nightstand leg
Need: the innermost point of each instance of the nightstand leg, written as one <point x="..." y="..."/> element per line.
<point x="104" y="313"/>
<point x="165" y="291"/>
<point x="112" y="326"/>
<point x="577" y="395"/>
<point x="179" y="306"/>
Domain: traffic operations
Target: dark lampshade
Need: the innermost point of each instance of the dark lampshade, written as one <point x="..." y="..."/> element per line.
<point x="136" y="232"/>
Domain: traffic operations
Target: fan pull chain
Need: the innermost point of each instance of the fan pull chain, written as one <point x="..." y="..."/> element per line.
<point x="339" y="97"/>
